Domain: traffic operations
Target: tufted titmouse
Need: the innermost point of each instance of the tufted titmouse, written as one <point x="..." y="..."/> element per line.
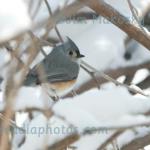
<point x="61" y="68"/>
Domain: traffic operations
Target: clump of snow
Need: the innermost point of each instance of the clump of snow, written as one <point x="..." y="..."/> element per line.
<point x="147" y="147"/>
<point x="95" y="108"/>
<point x="14" y="18"/>
<point x="140" y="75"/>
<point x="109" y="107"/>
<point x="113" y="107"/>
<point x="42" y="131"/>
<point x="34" y="137"/>
<point x="32" y="97"/>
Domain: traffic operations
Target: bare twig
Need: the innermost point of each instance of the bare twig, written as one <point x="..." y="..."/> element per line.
<point x="11" y="122"/>
<point x="92" y="74"/>
<point x="107" y="77"/>
<point x="119" y="20"/>
<point x="63" y="144"/>
<point x="138" y="143"/>
<point x="56" y="29"/>
<point x="134" y="13"/>
<point x="46" y="112"/>
<point x="74" y="137"/>
<point x="117" y="134"/>
<point x="127" y="71"/>
<point x="37" y="8"/>
<point x="145" y="83"/>
<point x="110" y="139"/>
<point x="11" y="90"/>
<point x="60" y="15"/>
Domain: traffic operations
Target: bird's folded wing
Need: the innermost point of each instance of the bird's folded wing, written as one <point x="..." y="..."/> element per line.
<point x="59" y="77"/>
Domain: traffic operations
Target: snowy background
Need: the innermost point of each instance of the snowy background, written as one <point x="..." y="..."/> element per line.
<point x="108" y="110"/>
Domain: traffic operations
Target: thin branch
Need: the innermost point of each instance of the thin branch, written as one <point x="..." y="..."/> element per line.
<point x="59" y="16"/>
<point x="134" y="13"/>
<point x="37" y="8"/>
<point x="145" y="83"/>
<point x="63" y="144"/>
<point x="107" y="77"/>
<point x="127" y="71"/>
<point x="92" y="74"/>
<point x="11" y="122"/>
<point x="138" y="143"/>
<point x="46" y="112"/>
<point x="56" y="29"/>
<point x="119" y="20"/>
<point x="117" y="134"/>
<point x="75" y="136"/>
<point x="11" y="90"/>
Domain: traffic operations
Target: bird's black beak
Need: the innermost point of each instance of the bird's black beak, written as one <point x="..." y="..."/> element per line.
<point x="81" y="56"/>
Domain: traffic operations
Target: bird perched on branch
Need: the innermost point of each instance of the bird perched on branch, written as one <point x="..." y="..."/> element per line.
<point x="61" y="69"/>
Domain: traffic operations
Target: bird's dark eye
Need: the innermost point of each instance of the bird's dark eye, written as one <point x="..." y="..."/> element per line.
<point x="70" y="53"/>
